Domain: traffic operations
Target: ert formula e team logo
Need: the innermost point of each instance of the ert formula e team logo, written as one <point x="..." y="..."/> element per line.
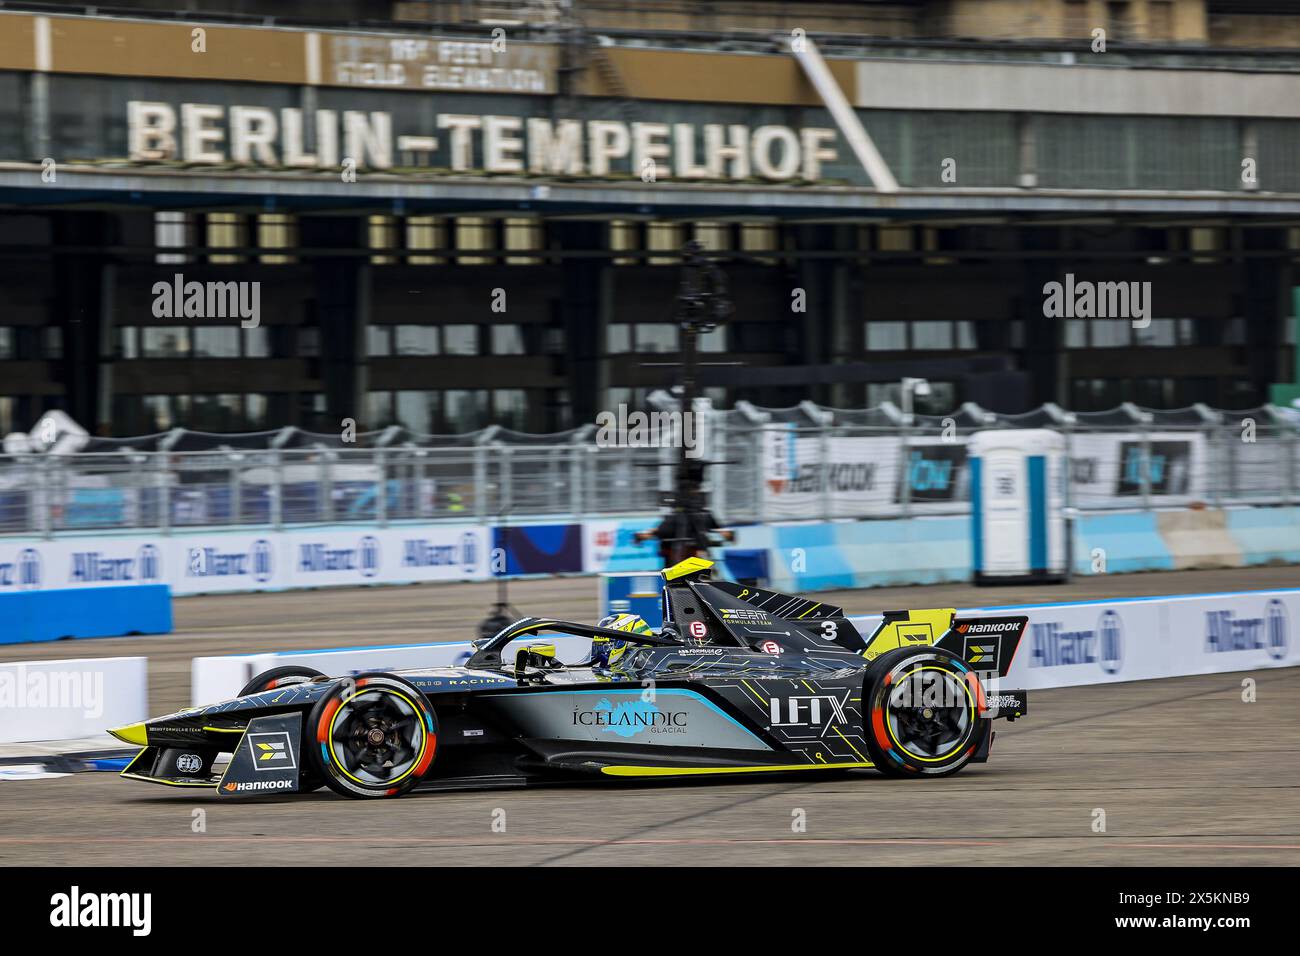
<point x="1053" y="646"/>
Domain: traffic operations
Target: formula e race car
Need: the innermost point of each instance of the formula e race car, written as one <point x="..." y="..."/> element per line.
<point x="740" y="680"/>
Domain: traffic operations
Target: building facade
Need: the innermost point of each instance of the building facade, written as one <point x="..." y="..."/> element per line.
<point x="463" y="218"/>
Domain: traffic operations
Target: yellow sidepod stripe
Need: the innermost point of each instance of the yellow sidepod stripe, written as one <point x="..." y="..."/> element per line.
<point x="630" y="771"/>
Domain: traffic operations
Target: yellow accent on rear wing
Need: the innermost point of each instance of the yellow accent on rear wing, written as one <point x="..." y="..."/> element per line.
<point x="908" y="629"/>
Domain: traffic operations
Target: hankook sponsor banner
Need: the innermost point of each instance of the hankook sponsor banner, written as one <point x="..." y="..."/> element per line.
<point x="1107" y="469"/>
<point x="808" y="475"/>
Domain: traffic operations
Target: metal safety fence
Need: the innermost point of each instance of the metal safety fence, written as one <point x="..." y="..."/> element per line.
<point x="806" y="463"/>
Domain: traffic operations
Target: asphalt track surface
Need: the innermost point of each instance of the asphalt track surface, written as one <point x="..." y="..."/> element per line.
<point x="1186" y="772"/>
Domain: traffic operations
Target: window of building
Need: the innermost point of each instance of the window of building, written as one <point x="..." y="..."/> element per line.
<point x="624" y="236"/>
<point x="225" y="230"/>
<point x="715" y="341"/>
<point x="460" y="340"/>
<point x="474" y="233"/>
<point x="164" y="412"/>
<point x="52" y="343"/>
<point x="257" y="342"/>
<point x="171" y="230"/>
<point x="759" y="237"/>
<point x="308" y="341"/>
<point x="8" y="405"/>
<point x="1111" y="333"/>
<point x="276" y="230"/>
<point x="164" y="341"/>
<point x="381" y="234"/>
<point x="656" y="337"/>
<point x="6" y="342"/>
<point x="931" y="335"/>
<point x="379" y="410"/>
<point x="217" y="413"/>
<point x="1161" y="333"/>
<point x="425" y="232"/>
<point x="510" y="408"/>
<point x="216" y="342"/>
<point x="418" y="411"/>
<point x="466" y="409"/>
<point x="618" y="338"/>
<point x="714" y="236"/>
<point x="886" y="336"/>
<point x="507" y="340"/>
<point x="664" y="236"/>
<point x="525" y="234"/>
<point x="416" y="340"/>
<point x="379" y="340"/>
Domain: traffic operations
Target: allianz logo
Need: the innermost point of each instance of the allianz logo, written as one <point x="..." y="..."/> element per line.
<point x="257" y="562"/>
<point x="315" y="557"/>
<point x="1225" y="632"/>
<point x="24" y="572"/>
<point x="1051" y="645"/>
<point x="422" y="553"/>
<point x="95" y="566"/>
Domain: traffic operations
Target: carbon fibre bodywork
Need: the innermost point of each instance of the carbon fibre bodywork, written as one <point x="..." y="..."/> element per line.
<point x="741" y="680"/>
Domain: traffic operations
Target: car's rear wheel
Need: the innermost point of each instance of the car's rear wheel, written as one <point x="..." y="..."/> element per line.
<point x="374" y="736"/>
<point x="285" y="676"/>
<point x="279" y="677"/>
<point x="923" y="712"/>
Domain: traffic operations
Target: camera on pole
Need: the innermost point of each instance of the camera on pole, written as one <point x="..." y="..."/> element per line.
<point x="702" y="304"/>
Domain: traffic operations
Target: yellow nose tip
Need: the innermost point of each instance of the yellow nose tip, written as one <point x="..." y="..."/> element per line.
<point x="131" y="734"/>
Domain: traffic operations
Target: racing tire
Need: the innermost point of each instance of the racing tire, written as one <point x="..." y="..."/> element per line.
<point x="283" y="677"/>
<point x="279" y="677"/>
<point x="922" y="708"/>
<point x="371" y="737"/>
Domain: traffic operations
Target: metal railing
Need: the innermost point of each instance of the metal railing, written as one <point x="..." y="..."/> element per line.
<point x="806" y="463"/>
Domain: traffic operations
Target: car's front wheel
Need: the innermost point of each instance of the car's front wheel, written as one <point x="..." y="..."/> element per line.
<point x="372" y="736"/>
<point x="923" y="712"/>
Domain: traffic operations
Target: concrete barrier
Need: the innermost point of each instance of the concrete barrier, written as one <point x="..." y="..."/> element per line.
<point x="68" y="700"/>
<point x="29" y="616"/>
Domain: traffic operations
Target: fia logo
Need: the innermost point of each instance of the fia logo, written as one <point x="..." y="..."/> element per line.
<point x="808" y="711"/>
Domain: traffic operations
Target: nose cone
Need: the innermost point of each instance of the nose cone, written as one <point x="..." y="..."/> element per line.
<point x="131" y="734"/>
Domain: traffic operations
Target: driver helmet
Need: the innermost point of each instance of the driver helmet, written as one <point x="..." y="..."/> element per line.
<point x="606" y="651"/>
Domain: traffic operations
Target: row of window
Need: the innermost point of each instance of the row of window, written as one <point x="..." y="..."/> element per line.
<point x="463" y="410"/>
<point x="474" y="240"/>
<point x="926" y="335"/>
<point x="31" y="343"/>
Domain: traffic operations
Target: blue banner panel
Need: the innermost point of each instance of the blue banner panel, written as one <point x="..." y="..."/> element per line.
<point x="539" y="549"/>
<point x="85" y="612"/>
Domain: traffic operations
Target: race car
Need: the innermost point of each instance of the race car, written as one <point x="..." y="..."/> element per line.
<point x="740" y="680"/>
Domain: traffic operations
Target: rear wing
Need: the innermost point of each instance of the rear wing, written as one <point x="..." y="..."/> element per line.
<point x="987" y="644"/>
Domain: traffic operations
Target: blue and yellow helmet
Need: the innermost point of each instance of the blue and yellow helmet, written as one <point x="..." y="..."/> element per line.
<point x="606" y="651"/>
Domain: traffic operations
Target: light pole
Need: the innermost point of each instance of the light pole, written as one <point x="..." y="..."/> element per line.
<point x="921" y="387"/>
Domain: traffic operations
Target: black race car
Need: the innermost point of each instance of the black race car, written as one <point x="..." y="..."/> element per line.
<point x="740" y="680"/>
